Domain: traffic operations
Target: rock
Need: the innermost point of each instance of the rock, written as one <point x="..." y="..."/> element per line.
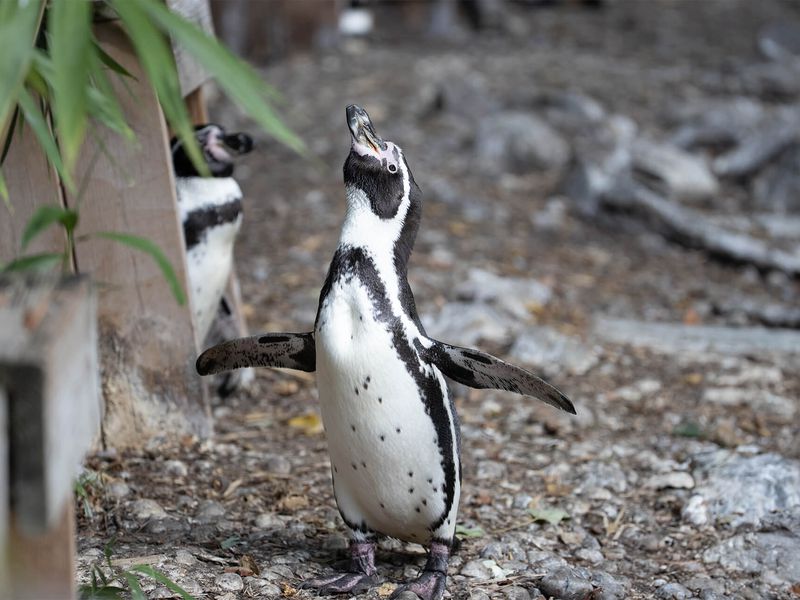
<point x="608" y="587"/>
<point x="513" y="295"/>
<point x="716" y="123"/>
<point x="209" y="511"/>
<point x="516" y="593"/>
<point x="777" y="188"/>
<point x="780" y="40"/>
<point x="229" y="582"/>
<point x="176" y="468"/>
<point x="674" y="480"/>
<point x="517" y="142"/>
<point x="477" y="569"/>
<point x="593" y="557"/>
<point x="466" y="323"/>
<point x="145" y="509"/>
<point x="268" y="521"/>
<point x="407" y="595"/>
<point x="774" y="557"/>
<point x="639" y="390"/>
<point x="673" y="591"/>
<point x="278" y="464"/>
<point x="569" y="110"/>
<point x="552" y="352"/>
<point x="672" y="171"/>
<point x="553" y="217"/>
<point x="191" y="586"/>
<point x="161" y="592"/>
<point x="565" y="584"/>
<point x="742" y="490"/>
<point x="479" y="595"/>
<point x="117" y="489"/>
<point x="491" y="469"/>
<point x="185" y="558"/>
<point x="759" y="400"/>
<point x="679" y="339"/>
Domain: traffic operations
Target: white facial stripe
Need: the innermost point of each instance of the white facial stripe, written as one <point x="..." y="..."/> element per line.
<point x="391" y="155"/>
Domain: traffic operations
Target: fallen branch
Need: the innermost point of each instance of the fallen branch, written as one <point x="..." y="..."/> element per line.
<point x="692" y="229"/>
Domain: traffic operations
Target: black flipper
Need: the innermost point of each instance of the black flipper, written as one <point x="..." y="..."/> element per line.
<point x="284" y="350"/>
<point x="483" y="371"/>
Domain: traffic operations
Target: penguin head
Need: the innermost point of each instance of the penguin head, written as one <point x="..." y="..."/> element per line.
<point x="377" y="168"/>
<point x="218" y="147"/>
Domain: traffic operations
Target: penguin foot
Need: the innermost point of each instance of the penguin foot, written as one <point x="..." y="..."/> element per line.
<point x="342" y="583"/>
<point x="360" y="577"/>
<point x="428" y="586"/>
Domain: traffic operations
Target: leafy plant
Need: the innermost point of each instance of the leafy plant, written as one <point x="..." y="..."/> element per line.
<point x="104" y="587"/>
<point x="57" y="81"/>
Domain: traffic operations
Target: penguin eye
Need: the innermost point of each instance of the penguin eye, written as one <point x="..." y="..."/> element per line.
<point x="392" y="168"/>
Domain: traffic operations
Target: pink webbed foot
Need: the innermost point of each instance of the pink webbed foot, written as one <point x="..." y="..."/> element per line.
<point x="431" y="582"/>
<point x="360" y="577"/>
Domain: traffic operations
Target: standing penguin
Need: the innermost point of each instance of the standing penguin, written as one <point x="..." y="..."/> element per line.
<point x="392" y="430"/>
<point x="211" y="213"/>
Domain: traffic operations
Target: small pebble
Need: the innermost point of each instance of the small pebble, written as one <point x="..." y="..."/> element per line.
<point x="117" y="489"/>
<point x="229" y="582"/>
<point x="209" y="510"/>
<point x="145" y="509"/>
<point x="673" y="591"/>
<point x="176" y="468"/>
<point x="185" y="558"/>
<point x="278" y="464"/>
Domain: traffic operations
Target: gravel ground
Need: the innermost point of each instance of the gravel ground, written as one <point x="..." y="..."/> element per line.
<point x="680" y="475"/>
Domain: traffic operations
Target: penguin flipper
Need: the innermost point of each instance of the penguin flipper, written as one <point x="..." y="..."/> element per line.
<point x="479" y="370"/>
<point x="283" y="350"/>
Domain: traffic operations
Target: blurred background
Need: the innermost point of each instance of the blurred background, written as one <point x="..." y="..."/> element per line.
<point x="611" y="198"/>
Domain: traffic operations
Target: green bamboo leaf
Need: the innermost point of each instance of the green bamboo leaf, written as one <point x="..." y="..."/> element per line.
<point x="163" y="579"/>
<point x="4" y="193"/>
<point x="136" y="589"/>
<point x="551" y="515"/>
<point x="19" y="22"/>
<point x="149" y="247"/>
<point x="237" y="78"/>
<point x="69" y="32"/>
<point x="106" y="592"/>
<point x="35" y="118"/>
<point x="159" y="64"/>
<point x="468" y="532"/>
<point x="46" y="216"/>
<point x="33" y="262"/>
<point x="109" y="61"/>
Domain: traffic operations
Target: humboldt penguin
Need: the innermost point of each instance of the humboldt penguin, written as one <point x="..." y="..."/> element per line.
<point x="392" y="430"/>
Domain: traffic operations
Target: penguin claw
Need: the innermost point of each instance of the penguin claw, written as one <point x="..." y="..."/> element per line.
<point x="429" y="586"/>
<point x="341" y="583"/>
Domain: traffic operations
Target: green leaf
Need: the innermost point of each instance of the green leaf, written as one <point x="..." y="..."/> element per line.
<point x="233" y="75"/>
<point x="158" y="62"/>
<point x="69" y="33"/>
<point x="4" y="193"/>
<point x="230" y="542"/>
<point x="35" y="118"/>
<point x="106" y="592"/>
<point x="149" y="247"/>
<point x="33" y="262"/>
<point x="46" y="216"/>
<point x="551" y="515"/>
<point x="163" y="579"/>
<point x="109" y="61"/>
<point x="688" y="429"/>
<point x="19" y="22"/>
<point x="469" y="532"/>
<point x="136" y="589"/>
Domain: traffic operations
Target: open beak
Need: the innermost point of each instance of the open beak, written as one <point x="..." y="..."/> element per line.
<point x="238" y="143"/>
<point x="361" y="129"/>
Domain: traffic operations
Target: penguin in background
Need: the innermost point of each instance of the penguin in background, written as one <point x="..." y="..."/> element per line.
<point x="391" y="426"/>
<point x="211" y="214"/>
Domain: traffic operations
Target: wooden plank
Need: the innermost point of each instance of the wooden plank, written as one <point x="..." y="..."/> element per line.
<point x="191" y="74"/>
<point x="49" y="371"/>
<point x="31" y="183"/>
<point x="42" y="565"/>
<point x="148" y="345"/>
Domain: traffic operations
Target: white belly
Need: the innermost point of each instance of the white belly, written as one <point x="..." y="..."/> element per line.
<point x="385" y="456"/>
<point x="209" y="266"/>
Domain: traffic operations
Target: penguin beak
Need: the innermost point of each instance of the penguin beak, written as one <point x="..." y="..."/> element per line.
<point x="239" y="143"/>
<point x="361" y="129"/>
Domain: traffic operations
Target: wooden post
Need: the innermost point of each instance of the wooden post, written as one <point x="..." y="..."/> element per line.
<point x="49" y="382"/>
<point x="148" y="341"/>
<point x="31" y="182"/>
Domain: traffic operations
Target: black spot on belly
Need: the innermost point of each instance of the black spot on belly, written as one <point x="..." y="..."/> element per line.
<point x="366" y="385"/>
<point x="425" y="502"/>
<point x="369" y="379"/>
<point x="417" y="509"/>
<point x="410" y="490"/>
<point x="356" y="389"/>
<point x="363" y="464"/>
<point x="430" y="480"/>
<point x="380" y="400"/>
<point x="397" y="430"/>
<point x="335" y="470"/>
<point x="382" y="505"/>
<point x="353" y="427"/>
<point x="355" y="468"/>
<point x="411" y="473"/>
<point x="383" y="438"/>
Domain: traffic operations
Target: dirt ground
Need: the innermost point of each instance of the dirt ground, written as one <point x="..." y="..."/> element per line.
<point x="256" y="501"/>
